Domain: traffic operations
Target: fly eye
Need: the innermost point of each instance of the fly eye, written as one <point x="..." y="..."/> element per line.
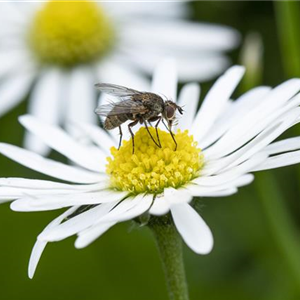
<point x="170" y="111"/>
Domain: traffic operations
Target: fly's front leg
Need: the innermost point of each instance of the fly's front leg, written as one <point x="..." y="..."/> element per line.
<point x="132" y="135"/>
<point x="172" y="134"/>
<point x="165" y="124"/>
<point x="121" y="135"/>
<point x="158" y="119"/>
<point x="158" y="145"/>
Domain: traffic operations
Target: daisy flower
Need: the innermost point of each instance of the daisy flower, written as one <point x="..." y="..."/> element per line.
<point x="57" y="50"/>
<point x="219" y="146"/>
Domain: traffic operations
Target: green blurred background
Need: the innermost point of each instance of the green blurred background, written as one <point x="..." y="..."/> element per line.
<point x="257" y="237"/>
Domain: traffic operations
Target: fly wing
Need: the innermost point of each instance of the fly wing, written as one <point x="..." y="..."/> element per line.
<point x="116" y="90"/>
<point x="119" y="108"/>
<point x="104" y="110"/>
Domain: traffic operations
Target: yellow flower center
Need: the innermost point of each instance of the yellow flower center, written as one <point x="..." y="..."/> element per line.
<point x="70" y="33"/>
<point x="151" y="169"/>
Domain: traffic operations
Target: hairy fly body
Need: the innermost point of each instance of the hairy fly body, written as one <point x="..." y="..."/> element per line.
<point x="138" y="107"/>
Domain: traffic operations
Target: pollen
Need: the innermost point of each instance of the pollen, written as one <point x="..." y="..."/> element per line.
<point x="70" y="33"/>
<point x="152" y="169"/>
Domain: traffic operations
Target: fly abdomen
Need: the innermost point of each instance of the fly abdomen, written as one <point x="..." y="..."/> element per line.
<point x="112" y="122"/>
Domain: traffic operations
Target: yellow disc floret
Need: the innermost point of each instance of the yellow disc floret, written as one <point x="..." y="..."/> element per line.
<point x="151" y="169"/>
<point x="70" y="33"/>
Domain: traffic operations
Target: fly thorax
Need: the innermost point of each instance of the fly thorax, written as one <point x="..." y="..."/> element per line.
<point x="155" y="104"/>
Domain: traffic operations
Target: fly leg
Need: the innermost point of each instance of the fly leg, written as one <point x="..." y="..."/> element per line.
<point x="158" y="119"/>
<point x="132" y="135"/>
<point x="156" y="126"/>
<point x="158" y="145"/>
<point x="172" y="134"/>
<point x="165" y="124"/>
<point x="121" y="135"/>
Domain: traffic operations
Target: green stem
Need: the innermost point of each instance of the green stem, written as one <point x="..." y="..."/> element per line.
<point x="169" y="244"/>
<point x="282" y="227"/>
<point x="288" y="22"/>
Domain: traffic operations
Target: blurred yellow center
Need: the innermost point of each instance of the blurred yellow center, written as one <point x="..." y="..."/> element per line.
<point x="151" y="169"/>
<point x="70" y="33"/>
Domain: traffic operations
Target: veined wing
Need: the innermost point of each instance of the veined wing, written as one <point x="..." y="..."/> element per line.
<point x="116" y="90"/>
<point x="123" y="107"/>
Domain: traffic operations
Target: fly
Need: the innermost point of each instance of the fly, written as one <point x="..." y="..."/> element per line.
<point x="137" y="107"/>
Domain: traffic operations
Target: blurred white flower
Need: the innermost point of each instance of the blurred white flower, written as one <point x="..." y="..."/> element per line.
<point x="218" y="147"/>
<point x="252" y="58"/>
<point x="61" y="49"/>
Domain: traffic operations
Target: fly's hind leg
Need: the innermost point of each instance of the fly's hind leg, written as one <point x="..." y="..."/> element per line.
<point x="121" y="135"/>
<point x="132" y="135"/>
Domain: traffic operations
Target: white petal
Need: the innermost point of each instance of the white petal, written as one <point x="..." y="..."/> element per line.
<point x="215" y="101"/>
<point x="129" y="209"/>
<point x="124" y="10"/>
<point x="81" y="99"/>
<point x="263" y="139"/>
<point x="212" y="188"/>
<point x="278" y="161"/>
<point x="180" y="35"/>
<point x="234" y="114"/>
<point x="203" y="68"/>
<point x="47" y="166"/>
<point x="35" y="257"/>
<point x="174" y="196"/>
<point x="277" y="102"/>
<point x="217" y="182"/>
<point x="16" y="188"/>
<point x="13" y="90"/>
<point x="188" y="99"/>
<point x="164" y="80"/>
<point x="89" y="235"/>
<point x="46" y="103"/>
<point x="12" y="192"/>
<point x="246" y="102"/>
<point x="286" y="145"/>
<point x="58" y="140"/>
<point x="47" y="185"/>
<point x="115" y="70"/>
<point x="236" y="171"/>
<point x="200" y="67"/>
<point x="28" y="9"/>
<point x="77" y="223"/>
<point x="192" y="228"/>
<point x="98" y="135"/>
<point x="197" y="191"/>
<point x="160" y="206"/>
<point x="10" y="12"/>
<point x="46" y="202"/>
<point x="40" y="245"/>
<point x="11" y="61"/>
<point x="259" y="142"/>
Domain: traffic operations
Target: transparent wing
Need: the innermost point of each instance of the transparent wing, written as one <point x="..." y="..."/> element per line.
<point x="116" y="90"/>
<point x="104" y="110"/>
<point x="119" y="108"/>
